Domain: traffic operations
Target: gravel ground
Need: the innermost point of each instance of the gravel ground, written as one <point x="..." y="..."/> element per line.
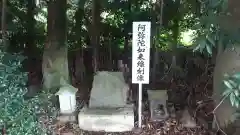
<point x="167" y="127"/>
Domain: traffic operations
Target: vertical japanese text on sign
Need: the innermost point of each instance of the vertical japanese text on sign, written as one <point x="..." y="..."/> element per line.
<point x="141" y="52"/>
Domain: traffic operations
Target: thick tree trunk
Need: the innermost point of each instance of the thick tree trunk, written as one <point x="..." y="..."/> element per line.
<point x="158" y="5"/>
<point x="34" y="72"/>
<point x="231" y="22"/>
<point x="125" y="56"/>
<point x="30" y="26"/>
<point x="55" y="61"/>
<point x="95" y="33"/>
<point x="79" y="65"/>
<point x="155" y="61"/>
<point x="30" y="49"/>
<point x="175" y="34"/>
<point x="227" y="62"/>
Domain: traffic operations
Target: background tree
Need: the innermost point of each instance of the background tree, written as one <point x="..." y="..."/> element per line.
<point x="55" y="61"/>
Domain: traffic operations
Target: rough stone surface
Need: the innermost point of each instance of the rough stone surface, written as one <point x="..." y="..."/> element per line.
<point x="106" y="119"/>
<point x="55" y="68"/>
<point x="108" y="110"/>
<point x="156" y="99"/>
<point x="109" y="90"/>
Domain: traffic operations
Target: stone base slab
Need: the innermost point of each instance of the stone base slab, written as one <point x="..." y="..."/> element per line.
<point x="106" y="119"/>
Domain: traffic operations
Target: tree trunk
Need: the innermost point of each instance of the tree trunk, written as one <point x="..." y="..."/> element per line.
<point x="34" y="72"/>
<point x="125" y="56"/>
<point x="95" y="33"/>
<point x="3" y="27"/>
<point x="110" y="53"/>
<point x="158" y="5"/>
<point x="155" y="57"/>
<point x="175" y="34"/>
<point x="79" y="65"/>
<point x="30" y="49"/>
<point x="30" y="26"/>
<point x="227" y="63"/>
<point x="126" y="44"/>
<point x="231" y="22"/>
<point x="55" y="61"/>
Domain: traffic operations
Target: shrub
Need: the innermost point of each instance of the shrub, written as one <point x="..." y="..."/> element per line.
<point x="17" y="115"/>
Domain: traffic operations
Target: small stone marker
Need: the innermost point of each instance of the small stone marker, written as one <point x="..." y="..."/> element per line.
<point x="67" y="101"/>
<point x="158" y="106"/>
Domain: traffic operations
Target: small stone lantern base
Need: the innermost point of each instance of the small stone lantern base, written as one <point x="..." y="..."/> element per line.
<point x="72" y="117"/>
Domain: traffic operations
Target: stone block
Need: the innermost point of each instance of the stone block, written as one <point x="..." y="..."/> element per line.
<point x="109" y="90"/>
<point x="106" y="119"/>
<point x="67" y="117"/>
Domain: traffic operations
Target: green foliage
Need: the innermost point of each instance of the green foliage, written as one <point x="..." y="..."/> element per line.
<point x="17" y="115"/>
<point x="232" y="90"/>
<point x="209" y="34"/>
<point x="164" y="40"/>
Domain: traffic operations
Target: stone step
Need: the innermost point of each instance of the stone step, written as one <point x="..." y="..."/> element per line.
<point x="108" y="120"/>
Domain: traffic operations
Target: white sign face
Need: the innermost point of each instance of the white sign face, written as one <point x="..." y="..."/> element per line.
<point x="141" y="52"/>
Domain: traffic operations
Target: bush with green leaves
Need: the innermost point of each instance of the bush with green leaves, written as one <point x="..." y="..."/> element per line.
<point x="17" y="115"/>
<point x="208" y="31"/>
<point x="209" y="34"/>
<point x="232" y="89"/>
